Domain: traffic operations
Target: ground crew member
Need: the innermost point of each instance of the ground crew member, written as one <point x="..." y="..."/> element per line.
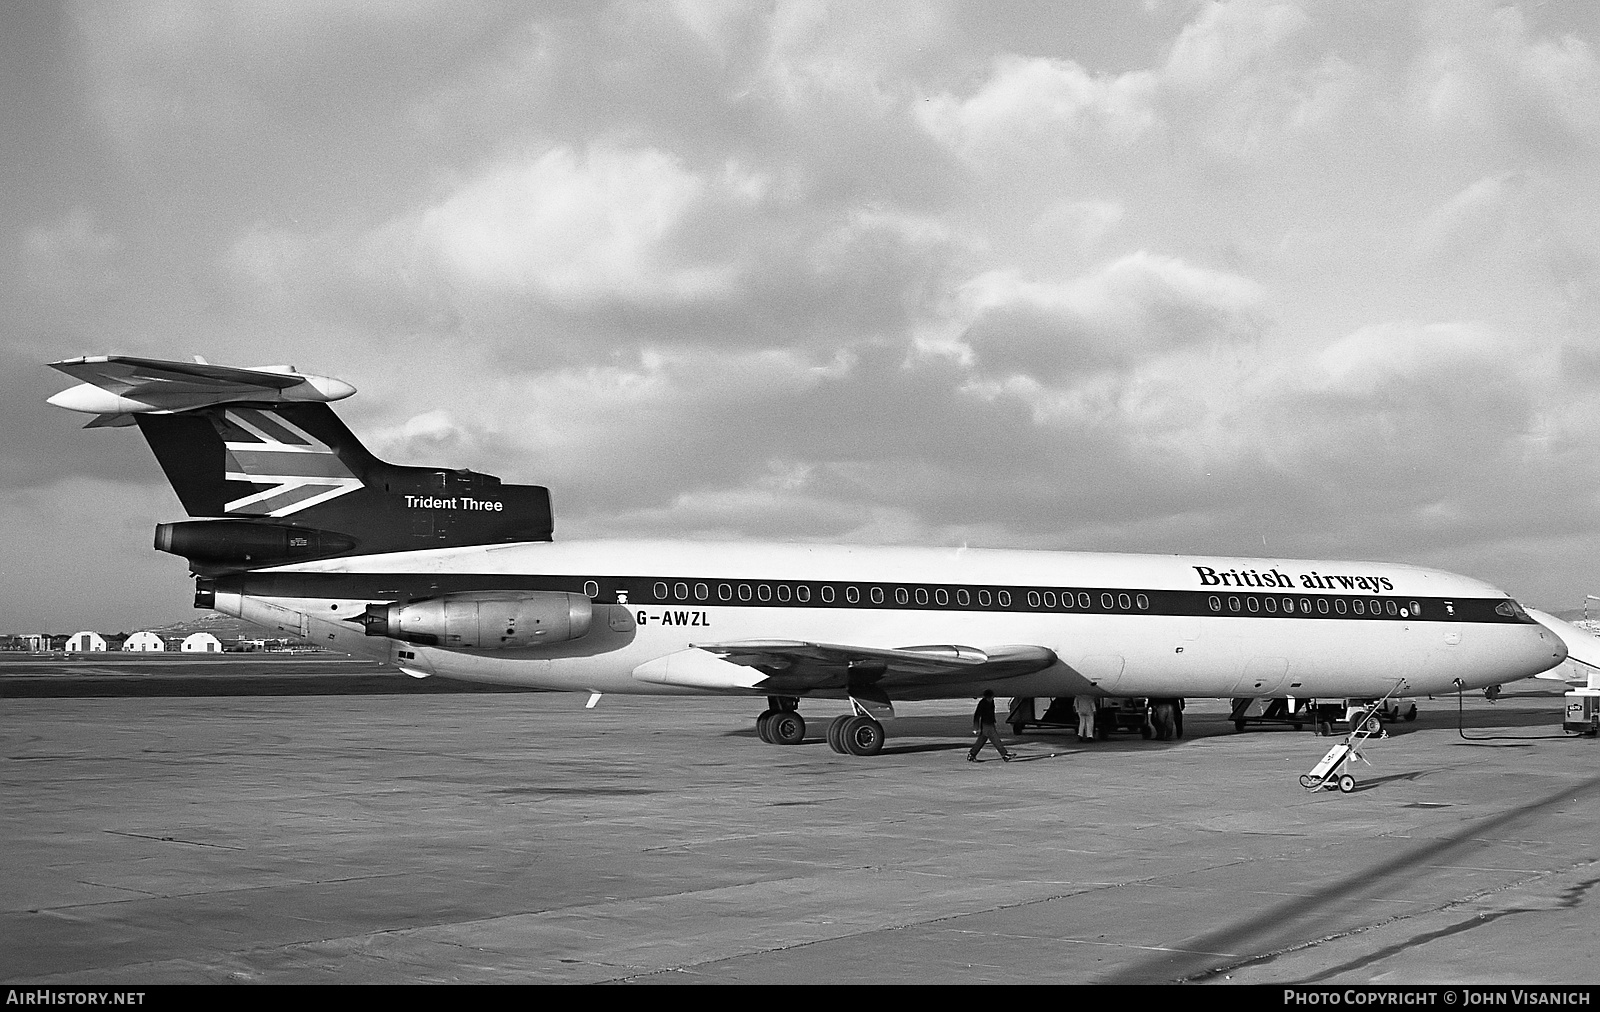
<point x="1085" y="706"/>
<point x="983" y="724"/>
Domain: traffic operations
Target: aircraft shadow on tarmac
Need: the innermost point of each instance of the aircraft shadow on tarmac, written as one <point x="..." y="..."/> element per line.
<point x="1303" y="918"/>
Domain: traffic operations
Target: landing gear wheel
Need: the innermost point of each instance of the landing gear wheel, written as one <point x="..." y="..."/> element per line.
<point x="1325" y="728"/>
<point x="1238" y="727"/>
<point x="1017" y="728"/>
<point x="862" y="736"/>
<point x="1347" y="783"/>
<point x="836" y="732"/>
<point x="762" y="725"/>
<point x="1164" y="715"/>
<point x="1147" y="732"/>
<point x="1177" y="719"/>
<point x="1102" y="733"/>
<point x="1411" y="713"/>
<point x="1307" y="781"/>
<point x="786" y="728"/>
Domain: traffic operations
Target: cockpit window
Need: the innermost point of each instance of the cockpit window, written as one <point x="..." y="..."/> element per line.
<point x="1511" y="609"/>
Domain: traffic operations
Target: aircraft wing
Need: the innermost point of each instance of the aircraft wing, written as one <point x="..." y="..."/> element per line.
<point x="784" y="667"/>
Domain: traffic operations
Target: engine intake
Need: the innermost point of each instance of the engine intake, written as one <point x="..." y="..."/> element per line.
<point x="483" y="620"/>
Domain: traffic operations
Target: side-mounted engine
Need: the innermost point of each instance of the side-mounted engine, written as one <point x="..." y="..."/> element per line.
<point x="483" y="620"/>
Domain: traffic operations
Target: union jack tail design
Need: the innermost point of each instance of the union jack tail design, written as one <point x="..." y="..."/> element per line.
<point x="264" y="448"/>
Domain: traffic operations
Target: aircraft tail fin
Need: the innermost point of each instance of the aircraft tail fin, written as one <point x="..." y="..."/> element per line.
<point x="279" y="478"/>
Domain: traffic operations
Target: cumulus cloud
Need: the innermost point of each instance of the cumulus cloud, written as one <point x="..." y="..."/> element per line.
<point x="1135" y="307"/>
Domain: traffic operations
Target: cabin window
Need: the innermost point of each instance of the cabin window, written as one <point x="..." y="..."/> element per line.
<point x="1004" y="597"/>
<point x="1358" y="606"/>
<point x="1305" y="606"/>
<point x="783" y="592"/>
<point x="1416" y="609"/>
<point x="1049" y="599"/>
<point x="1124" y="602"/>
<point x="724" y="592"/>
<point x="984" y="598"/>
<point x="1033" y="599"/>
<point x="852" y="595"/>
<point x="1083" y="600"/>
<point x="763" y="592"/>
<point x="1107" y="602"/>
<point x="1253" y="604"/>
<point x="1339" y="605"/>
<point x="962" y="597"/>
<point x="922" y="595"/>
<point x="1392" y="607"/>
<point x="1143" y="602"/>
<point x="941" y="597"/>
<point x="1215" y="603"/>
<point x="802" y="593"/>
<point x="744" y="592"/>
<point x="901" y="597"/>
<point x="827" y="593"/>
<point x="661" y="591"/>
<point x="1322" y="606"/>
<point x="1271" y="604"/>
<point x="1233" y="604"/>
<point x="877" y="595"/>
<point x="591" y="590"/>
<point x="680" y="591"/>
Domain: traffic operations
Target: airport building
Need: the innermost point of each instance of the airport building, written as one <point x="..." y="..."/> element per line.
<point x="144" y="642"/>
<point x="85" y="642"/>
<point x="201" y="643"/>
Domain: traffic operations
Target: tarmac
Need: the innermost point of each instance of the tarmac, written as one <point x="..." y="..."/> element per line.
<point x="319" y="820"/>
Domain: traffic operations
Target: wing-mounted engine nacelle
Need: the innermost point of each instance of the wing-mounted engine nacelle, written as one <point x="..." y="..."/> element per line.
<point x="484" y="620"/>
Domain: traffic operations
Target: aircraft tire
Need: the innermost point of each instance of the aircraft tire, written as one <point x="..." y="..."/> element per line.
<point x="836" y="733"/>
<point x="862" y="736"/>
<point x="786" y="728"/>
<point x="762" y="725"/>
<point x="1411" y="714"/>
<point x="1017" y="728"/>
<point x="1162" y="714"/>
<point x="1347" y="783"/>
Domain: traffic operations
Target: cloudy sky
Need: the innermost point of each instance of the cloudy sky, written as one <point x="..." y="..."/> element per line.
<point x="1288" y="279"/>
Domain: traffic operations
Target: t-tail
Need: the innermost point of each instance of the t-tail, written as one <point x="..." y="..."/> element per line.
<point x="272" y="475"/>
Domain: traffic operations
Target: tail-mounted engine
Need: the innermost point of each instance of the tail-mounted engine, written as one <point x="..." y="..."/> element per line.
<point x="483" y="620"/>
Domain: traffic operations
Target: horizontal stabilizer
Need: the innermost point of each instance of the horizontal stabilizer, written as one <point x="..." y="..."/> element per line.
<point x="118" y="385"/>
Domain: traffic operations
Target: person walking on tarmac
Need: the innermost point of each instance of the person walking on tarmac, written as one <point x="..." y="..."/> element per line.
<point x="1085" y="706"/>
<point x="983" y="724"/>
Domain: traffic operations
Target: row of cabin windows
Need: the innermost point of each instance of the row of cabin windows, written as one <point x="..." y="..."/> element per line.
<point x="942" y="597"/>
<point x="783" y="593"/>
<point x="1252" y="604"/>
<point x="1371" y="608"/>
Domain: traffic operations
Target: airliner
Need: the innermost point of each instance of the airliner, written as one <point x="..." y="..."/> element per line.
<point x="295" y="526"/>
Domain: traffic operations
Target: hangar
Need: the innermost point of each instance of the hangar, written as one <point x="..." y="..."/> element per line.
<point x="201" y="643"/>
<point x="85" y="642"/>
<point x="144" y="642"/>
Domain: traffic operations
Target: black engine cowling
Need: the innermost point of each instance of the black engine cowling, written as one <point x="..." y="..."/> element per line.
<point x="485" y="620"/>
<point x="217" y="544"/>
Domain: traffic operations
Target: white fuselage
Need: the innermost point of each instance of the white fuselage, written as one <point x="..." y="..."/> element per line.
<point x="1127" y="625"/>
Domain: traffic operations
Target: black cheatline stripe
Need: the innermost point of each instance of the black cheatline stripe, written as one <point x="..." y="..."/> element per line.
<point x="658" y="591"/>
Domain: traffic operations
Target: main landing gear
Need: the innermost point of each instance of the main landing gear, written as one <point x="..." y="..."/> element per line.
<point x="854" y="734"/>
<point x="781" y="723"/>
<point x="848" y="734"/>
